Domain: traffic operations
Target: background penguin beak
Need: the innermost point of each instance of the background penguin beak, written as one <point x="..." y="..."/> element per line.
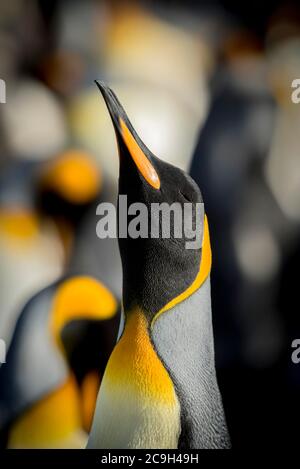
<point x="126" y="134"/>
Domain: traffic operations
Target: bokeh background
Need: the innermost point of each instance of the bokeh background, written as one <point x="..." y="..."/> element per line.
<point x="207" y="85"/>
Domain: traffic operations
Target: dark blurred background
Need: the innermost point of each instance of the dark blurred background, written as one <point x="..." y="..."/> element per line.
<point x="208" y="87"/>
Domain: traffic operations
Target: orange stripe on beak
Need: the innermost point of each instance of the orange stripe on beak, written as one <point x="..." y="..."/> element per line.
<point x="143" y="164"/>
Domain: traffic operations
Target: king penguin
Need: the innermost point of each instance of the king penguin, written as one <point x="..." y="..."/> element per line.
<point x="159" y="388"/>
<point x="40" y="400"/>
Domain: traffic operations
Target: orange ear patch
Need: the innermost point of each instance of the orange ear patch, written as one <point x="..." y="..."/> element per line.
<point x="73" y="175"/>
<point x="143" y="164"/>
<point x="81" y="298"/>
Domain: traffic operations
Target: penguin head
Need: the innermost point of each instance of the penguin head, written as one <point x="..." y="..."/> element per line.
<point x="156" y="269"/>
<point x="66" y="189"/>
<point x="68" y="184"/>
<point x="38" y="389"/>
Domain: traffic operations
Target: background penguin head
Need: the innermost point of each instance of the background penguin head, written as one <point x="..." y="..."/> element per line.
<point x="155" y="269"/>
<point x="69" y="183"/>
<point x="66" y="188"/>
<point x="37" y="377"/>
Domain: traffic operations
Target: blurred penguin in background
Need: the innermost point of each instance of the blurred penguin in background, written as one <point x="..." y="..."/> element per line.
<point x="30" y="250"/>
<point x="51" y="189"/>
<point x="31" y="253"/>
<point x="249" y="234"/>
<point x="283" y="180"/>
<point x="67" y="186"/>
<point x="227" y="163"/>
<point x="58" y="187"/>
<point x="70" y="188"/>
<point x="41" y="404"/>
<point x="63" y="194"/>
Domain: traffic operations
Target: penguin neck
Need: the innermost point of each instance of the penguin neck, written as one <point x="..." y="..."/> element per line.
<point x="158" y="285"/>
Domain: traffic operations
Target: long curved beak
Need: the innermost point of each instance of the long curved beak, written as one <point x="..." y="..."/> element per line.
<point x="126" y="135"/>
